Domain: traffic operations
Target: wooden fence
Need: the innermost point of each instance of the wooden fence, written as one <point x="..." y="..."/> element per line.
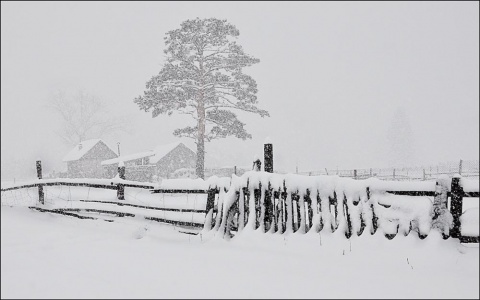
<point x="119" y="186"/>
<point x="273" y="209"/>
<point x="276" y="210"/>
<point x="469" y="168"/>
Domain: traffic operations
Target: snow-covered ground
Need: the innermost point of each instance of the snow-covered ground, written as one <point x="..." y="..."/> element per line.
<point x="45" y="255"/>
<point x="53" y="256"/>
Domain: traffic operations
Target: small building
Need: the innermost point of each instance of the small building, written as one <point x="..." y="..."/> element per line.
<point x="84" y="161"/>
<point x="161" y="162"/>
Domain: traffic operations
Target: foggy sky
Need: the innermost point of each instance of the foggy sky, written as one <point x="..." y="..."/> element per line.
<point x="331" y="74"/>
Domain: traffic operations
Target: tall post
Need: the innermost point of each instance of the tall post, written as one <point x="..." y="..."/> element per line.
<point x="268" y="157"/>
<point x="460" y="167"/>
<point x="354" y="174"/>
<point x="440" y="213"/>
<point x="456" y="206"/>
<point x="210" y="204"/>
<point x="41" y="197"/>
<point x="121" y="187"/>
<point x="235" y="170"/>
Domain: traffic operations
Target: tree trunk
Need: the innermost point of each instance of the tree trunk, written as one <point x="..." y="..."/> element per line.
<point x="201" y="141"/>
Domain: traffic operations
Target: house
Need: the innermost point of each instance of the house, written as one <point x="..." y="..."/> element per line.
<point x="84" y="161"/>
<point x="161" y="162"/>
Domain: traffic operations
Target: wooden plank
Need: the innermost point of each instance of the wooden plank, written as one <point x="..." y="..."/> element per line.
<point x="118" y="213"/>
<point x="148" y="207"/>
<point x="179" y="223"/>
<point x="413" y="193"/>
<point x="180" y="191"/>
<point x="471" y="194"/>
<point x="92" y="185"/>
<point x="112" y="186"/>
<point x="469" y="239"/>
<point x="61" y="213"/>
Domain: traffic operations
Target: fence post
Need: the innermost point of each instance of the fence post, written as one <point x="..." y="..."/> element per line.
<point x="268" y="157"/>
<point x="393" y="174"/>
<point x="121" y="187"/>
<point x="41" y="197"/>
<point x="460" y="167"/>
<point x="355" y="174"/>
<point x="456" y="206"/>
<point x="440" y="211"/>
<point x="257" y="165"/>
<point x="235" y="170"/>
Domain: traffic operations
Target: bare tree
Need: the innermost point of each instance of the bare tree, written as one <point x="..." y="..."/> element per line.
<point x="401" y="141"/>
<point x="84" y="116"/>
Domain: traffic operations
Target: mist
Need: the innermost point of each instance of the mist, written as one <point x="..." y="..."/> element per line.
<point x="332" y="75"/>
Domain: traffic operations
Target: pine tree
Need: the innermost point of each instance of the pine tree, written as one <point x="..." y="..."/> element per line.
<point x="203" y="77"/>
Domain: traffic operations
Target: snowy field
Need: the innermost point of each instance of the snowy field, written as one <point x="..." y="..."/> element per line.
<point x="52" y="256"/>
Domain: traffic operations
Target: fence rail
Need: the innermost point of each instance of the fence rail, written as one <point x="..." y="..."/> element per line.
<point x="468" y="168"/>
<point x="118" y="185"/>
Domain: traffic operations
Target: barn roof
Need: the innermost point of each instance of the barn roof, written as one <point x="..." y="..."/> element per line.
<point x="128" y="157"/>
<point x="155" y="155"/>
<point x="81" y="149"/>
<point x="162" y="150"/>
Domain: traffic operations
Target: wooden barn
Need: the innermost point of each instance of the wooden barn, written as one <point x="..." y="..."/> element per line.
<point x="161" y="162"/>
<point x="84" y="161"/>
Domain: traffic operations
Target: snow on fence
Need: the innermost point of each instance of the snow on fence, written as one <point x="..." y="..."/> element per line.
<point x="60" y="201"/>
<point x="278" y="203"/>
<point x="284" y="204"/>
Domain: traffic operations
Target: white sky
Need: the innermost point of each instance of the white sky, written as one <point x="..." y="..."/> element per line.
<point x="331" y="74"/>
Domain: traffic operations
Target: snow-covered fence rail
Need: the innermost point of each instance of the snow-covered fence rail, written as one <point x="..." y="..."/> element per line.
<point x="114" y="184"/>
<point x="137" y="201"/>
<point x="134" y="202"/>
<point x="292" y="203"/>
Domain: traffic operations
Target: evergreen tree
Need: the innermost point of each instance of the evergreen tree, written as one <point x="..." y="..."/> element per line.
<point x="203" y="77"/>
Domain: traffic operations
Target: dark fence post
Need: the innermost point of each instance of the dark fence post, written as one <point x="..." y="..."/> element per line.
<point x="211" y="205"/>
<point x="121" y="187"/>
<point x="456" y="208"/>
<point x="235" y="170"/>
<point x="460" y="167"/>
<point x="355" y="174"/>
<point x="268" y="157"/>
<point x="41" y="197"/>
<point x="210" y="200"/>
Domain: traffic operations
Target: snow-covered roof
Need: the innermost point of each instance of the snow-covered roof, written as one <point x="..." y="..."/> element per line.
<point x="155" y="155"/>
<point x="128" y="157"/>
<point x="161" y="151"/>
<point x="81" y="149"/>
